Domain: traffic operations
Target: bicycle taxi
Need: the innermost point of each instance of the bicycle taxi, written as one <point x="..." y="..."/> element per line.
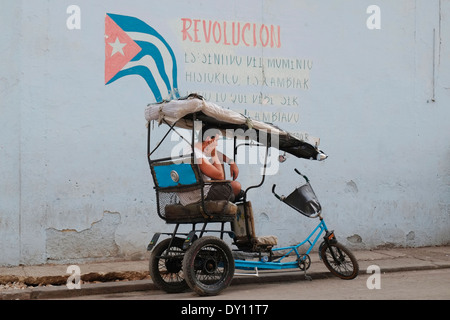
<point x="198" y="257"/>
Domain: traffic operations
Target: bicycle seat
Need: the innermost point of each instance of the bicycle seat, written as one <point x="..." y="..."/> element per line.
<point x="265" y="241"/>
<point x="244" y="229"/>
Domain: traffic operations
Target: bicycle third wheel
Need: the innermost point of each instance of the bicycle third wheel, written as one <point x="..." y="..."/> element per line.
<point x="208" y="266"/>
<point x="339" y="260"/>
<point x="166" y="266"/>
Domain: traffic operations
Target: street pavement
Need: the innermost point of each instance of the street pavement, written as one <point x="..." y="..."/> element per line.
<point x="50" y="281"/>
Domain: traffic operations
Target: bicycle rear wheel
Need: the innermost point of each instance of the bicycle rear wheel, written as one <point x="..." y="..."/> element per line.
<point x="339" y="260"/>
<point x="208" y="266"/>
<point x="166" y="266"/>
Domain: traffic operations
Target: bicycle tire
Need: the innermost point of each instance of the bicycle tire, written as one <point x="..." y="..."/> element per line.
<point x="345" y="266"/>
<point x="209" y="266"/>
<point x="166" y="269"/>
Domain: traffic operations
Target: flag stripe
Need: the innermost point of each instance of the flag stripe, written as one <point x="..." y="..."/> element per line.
<point x="167" y="59"/>
<point x="149" y="63"/>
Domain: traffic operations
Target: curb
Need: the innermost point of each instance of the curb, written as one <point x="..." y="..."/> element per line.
<point x="61" y="292"/>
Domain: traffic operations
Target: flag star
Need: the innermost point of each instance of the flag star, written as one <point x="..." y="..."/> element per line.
<point x="117" y="47"/>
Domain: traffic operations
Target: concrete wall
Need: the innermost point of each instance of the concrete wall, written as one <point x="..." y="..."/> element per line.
<point x="372" y="82"/>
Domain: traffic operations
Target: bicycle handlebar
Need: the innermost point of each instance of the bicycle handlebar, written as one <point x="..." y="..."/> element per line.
<point x="281" y="198"/>
<point x="304" y="177"/>
<point x="277" y="196"/>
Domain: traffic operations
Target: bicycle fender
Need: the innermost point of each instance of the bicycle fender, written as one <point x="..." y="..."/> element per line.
<point x="153" y="242"/>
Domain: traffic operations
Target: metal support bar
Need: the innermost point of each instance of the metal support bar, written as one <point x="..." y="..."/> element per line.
<point x="256" y="274"/>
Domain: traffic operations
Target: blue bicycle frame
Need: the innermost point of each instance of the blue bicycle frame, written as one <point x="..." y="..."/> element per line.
<point x="277" y="264"/>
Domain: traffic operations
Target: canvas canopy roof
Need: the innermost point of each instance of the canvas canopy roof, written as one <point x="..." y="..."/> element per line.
<point x="180" y="112"/>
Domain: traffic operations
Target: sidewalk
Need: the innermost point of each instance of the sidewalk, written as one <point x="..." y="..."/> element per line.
<point x="49" y="281"/>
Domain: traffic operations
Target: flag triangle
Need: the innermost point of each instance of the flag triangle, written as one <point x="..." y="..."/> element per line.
<point x="119" y="48"/>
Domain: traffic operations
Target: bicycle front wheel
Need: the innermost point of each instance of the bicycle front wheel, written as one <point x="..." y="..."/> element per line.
<point x="340" y="261"/>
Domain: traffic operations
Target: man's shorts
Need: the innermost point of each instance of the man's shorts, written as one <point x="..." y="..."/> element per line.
<point x="220" y="191"/>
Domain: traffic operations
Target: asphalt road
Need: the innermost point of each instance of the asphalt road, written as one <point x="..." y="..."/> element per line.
<point x="412" y="285"/>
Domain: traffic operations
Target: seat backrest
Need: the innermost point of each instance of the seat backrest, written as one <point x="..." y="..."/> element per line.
<point x="176" y="175"/>
<point x="172" y="177"/>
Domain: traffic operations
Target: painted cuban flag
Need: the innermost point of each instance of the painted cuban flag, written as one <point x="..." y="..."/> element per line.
<point x="132" y="47"/>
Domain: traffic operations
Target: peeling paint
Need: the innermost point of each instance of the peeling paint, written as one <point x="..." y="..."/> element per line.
<point x="410" y="236"/>
<point x="98" y="241"/>
<point x="351" y="187"/>
<point x="355" y="238"/>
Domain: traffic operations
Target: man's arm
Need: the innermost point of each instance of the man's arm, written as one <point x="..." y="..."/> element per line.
<point x="234" y="170"/>
<point x="212" y="169"/>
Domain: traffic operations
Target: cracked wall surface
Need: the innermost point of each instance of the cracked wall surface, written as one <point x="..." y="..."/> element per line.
<point x="96" y="242"/>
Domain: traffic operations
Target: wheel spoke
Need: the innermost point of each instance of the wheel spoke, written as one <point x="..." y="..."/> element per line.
<point x="166" y="266"/>
<point x="209" y="262"/>
<point x="208" y="265"/>
<point x="340" y="261"/>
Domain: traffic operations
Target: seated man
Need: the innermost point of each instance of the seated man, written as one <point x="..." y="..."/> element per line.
<point x="212" y="169"/>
